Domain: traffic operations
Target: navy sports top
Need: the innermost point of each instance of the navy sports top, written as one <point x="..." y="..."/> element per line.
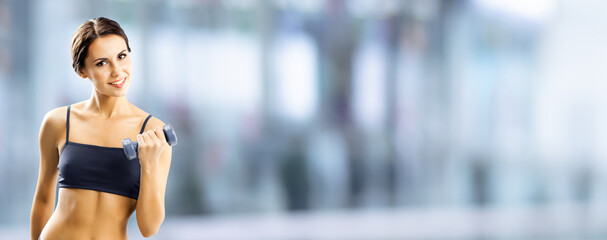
<point x="98" y="168"/>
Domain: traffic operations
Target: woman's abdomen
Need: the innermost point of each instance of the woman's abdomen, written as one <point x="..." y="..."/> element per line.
<point x="87" y="214"/>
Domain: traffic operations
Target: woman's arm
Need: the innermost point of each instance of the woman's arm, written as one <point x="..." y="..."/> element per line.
<point x="155" y="158"/>
<point x="44" y="198"/>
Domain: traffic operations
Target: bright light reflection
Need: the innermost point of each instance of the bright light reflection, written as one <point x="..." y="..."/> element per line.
<point x="295" y="62"/>
<point x="533" y="10"/>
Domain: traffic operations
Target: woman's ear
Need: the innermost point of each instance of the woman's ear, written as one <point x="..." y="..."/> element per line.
<point x="81" y="74"/>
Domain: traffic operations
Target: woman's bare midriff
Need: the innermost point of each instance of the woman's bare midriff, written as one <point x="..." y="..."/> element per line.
<point x="83" y="214"/>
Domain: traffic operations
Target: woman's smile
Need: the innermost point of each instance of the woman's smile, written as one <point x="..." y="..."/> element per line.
<point x="119" y="83"/>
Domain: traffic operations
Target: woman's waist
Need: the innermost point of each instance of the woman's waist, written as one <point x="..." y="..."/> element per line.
<point x="84" y="217"/>
<point x="86" y="207"/>
<point x="63" y="225"/>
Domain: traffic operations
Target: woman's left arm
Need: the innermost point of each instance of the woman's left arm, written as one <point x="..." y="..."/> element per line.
<point x="155" y="158"/>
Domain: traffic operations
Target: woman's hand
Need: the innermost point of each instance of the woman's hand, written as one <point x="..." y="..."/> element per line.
<point x="151" y="144"/>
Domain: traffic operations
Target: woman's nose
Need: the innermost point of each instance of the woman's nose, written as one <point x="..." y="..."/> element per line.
<point x="115" y="70"/>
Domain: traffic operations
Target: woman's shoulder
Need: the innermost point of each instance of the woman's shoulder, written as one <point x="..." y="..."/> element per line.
<point x="54" y="120"/>
<point x="56" y="115"/>
<point x="154" y="122"/>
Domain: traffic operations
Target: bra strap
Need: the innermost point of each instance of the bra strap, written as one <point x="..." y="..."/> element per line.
<point x="144" y="123"/>
<point x="67" y="125"/>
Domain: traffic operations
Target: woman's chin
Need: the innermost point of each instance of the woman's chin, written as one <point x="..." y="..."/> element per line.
<point x="114" y="93"/>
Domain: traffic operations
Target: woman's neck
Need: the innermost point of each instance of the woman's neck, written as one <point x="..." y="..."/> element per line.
<point x="107" y="106"/>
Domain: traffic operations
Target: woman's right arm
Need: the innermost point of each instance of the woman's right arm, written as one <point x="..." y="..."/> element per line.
<point x="44" y="198"/>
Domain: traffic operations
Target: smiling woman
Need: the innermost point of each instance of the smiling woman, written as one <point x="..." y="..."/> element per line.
<point x="112" y="71"/>
<point x="99" y="189"/>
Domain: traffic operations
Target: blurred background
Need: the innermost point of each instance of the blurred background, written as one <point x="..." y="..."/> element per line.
<point x="338" y="119"/>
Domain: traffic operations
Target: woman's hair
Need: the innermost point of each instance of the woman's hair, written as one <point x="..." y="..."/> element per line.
<point x="87" y="33"/>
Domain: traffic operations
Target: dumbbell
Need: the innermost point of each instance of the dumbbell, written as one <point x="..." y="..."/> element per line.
<point x="130" y="147"/>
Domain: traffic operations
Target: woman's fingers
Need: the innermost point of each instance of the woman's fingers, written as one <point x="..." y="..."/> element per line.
<point x="140" y="139"/>
<point x="154" y="136"/>
<point x="151" y="145"/>
<point x="160" y="135"/>
<point x="146" y="138"/>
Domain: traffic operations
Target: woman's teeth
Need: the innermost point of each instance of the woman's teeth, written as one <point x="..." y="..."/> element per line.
<point x="119" y="82"/>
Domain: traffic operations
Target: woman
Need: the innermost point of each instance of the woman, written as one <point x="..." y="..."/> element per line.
<point x="81" y="149"/>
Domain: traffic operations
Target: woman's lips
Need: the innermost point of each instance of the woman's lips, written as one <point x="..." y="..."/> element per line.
<point x="119" y="83"/>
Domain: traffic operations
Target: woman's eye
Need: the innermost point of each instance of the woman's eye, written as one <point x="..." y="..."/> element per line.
<point x="99" y="64"/>
<point x="121" y="56"/>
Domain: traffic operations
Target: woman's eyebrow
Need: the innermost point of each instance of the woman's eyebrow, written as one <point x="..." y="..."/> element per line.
<point x="106" y="58"/>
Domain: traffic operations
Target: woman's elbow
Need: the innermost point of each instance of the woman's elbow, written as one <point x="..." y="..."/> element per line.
<point x="150" y="229"/>
<point x="148" y="233"/>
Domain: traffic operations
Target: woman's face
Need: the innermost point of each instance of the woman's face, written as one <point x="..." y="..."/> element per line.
<point x="108" y="65"/>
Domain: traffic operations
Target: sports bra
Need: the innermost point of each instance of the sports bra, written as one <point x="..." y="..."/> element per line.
<point x="104" y="169"/>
